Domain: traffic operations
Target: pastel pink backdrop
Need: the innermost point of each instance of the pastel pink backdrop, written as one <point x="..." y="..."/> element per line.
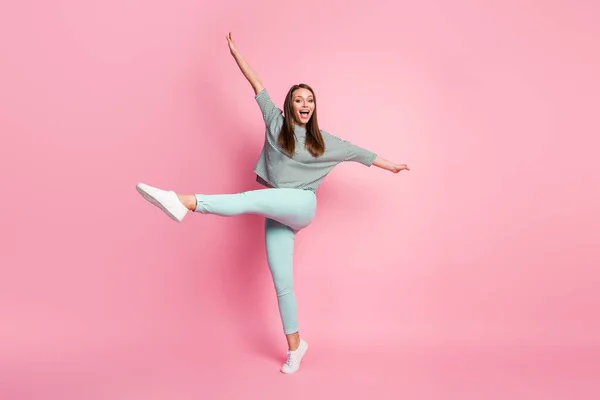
<point x="488" y="240"/>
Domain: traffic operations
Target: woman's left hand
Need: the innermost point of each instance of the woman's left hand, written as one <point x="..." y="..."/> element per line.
<point x="382" y="163"/>
<point x="399" y="167"/>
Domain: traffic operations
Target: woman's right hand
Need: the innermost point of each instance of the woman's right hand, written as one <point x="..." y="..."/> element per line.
<point x="244" y="67"/>
<point x="231" y="43"/>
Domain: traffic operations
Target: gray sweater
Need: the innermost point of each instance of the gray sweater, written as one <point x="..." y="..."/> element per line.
<point x="303" y="170"/>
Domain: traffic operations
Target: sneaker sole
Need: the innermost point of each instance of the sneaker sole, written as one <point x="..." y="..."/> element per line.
<point x="157" y="203"/>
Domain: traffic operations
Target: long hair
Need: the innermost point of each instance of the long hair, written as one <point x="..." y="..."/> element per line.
<point x="287" y="140"/>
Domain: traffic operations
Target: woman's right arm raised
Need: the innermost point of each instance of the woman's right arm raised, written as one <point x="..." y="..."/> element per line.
<point x="244" y="67"/>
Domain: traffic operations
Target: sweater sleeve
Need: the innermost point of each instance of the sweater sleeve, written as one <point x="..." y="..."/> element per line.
<point x="343" y="150"/>
<point x="272" y="116"/>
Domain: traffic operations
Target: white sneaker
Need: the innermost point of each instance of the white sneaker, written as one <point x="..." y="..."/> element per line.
<point x="294" y="358"/>
<point x="166" y="200"/>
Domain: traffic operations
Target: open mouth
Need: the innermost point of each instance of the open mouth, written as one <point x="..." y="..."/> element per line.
<point x="304" y="114"/>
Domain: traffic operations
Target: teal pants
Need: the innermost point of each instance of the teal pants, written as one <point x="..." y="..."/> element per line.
<point x="287" y="211"/>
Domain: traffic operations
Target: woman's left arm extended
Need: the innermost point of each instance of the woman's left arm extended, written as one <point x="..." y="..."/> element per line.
<point x="389" y="166"/>
<point x="346" y="151"/>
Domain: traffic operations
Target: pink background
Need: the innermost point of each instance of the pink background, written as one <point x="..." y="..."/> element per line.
<point x="481" y="259"/>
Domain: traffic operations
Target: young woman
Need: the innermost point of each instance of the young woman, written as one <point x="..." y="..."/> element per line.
<point x="295" y="159"/>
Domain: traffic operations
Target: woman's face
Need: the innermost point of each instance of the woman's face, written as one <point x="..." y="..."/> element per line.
<point x="303" y="104"/>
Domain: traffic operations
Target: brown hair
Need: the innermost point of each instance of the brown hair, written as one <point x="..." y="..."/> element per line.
<point x="314" y="141"/>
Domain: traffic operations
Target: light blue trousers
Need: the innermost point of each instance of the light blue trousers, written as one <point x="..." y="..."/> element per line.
<point x="287" y="211"/>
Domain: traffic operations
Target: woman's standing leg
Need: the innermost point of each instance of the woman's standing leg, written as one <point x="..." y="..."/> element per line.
<point x="279" y="241"/>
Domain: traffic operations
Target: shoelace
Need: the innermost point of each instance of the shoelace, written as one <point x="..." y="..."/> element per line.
<point x="291" y="360"/>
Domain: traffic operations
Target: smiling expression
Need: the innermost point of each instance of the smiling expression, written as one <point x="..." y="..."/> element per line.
<point x="303" y="104"/>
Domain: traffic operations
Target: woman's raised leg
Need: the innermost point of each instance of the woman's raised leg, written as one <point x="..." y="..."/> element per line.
<point x="292" y="207"/>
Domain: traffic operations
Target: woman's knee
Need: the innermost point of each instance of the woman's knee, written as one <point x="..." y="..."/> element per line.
<point x="283" y="287"/>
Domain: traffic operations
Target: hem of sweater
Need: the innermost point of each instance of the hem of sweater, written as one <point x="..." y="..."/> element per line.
<point x="264" y="182"/>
